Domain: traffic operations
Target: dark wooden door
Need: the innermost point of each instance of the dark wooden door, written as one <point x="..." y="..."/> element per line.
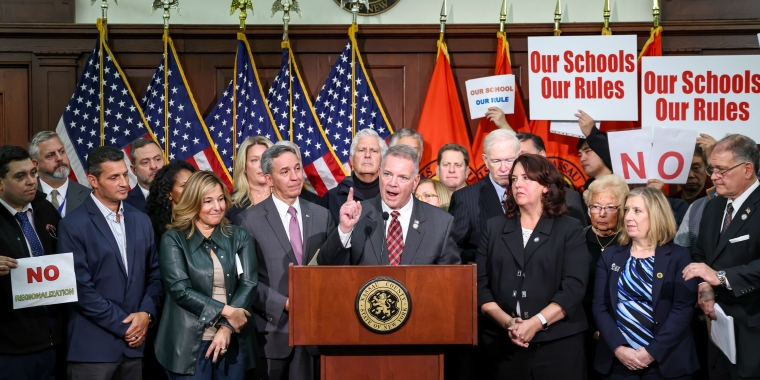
<point x="14" y="106"/>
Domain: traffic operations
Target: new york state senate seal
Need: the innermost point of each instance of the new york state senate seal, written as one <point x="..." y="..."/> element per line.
<point x="383" y="305"/>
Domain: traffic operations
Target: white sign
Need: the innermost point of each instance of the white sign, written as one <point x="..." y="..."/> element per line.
<point x="568" y="128"/>
<point x="659" y="153"/>
<point x="495" y="91"/>
<point x="596" y="74"/>
<point x="44" y="280"/>
<point x="709" y="94"/>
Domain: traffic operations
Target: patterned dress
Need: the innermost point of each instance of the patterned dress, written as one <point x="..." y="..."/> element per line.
<point x="635" y="313"/>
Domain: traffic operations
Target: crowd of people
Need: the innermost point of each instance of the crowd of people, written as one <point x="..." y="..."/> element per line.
<point x="178" y="278"/>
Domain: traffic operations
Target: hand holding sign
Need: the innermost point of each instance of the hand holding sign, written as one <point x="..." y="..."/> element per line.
<point x="6" y="264"/>
<point x="497" y="116"/>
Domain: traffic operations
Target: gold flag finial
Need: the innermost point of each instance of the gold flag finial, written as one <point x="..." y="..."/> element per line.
<point x="104" y="8"/>
<point x="166" y="5"/>
<point x="355" y="6"/>
<point x="557" y="18"/>
<point x="656" y="13"/>
<point x="285" y="6"/>
<point x="444" y="16"/>
<point x="503" y="16"/>
<point x="607" y="14"/>
<point x="243" y="6"/>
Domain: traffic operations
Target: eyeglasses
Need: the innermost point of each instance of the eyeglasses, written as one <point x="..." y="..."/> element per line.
<point x="596" y="209"/>
<point x="425" y="196"/>
<point x="710" y="170"/>
<point x="497" y="163"/>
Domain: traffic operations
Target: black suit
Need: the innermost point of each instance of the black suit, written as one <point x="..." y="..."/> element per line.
<point x="471" y="207"/>
<point x="551" y="268"/>
<point x="136" y="199"/>
<point x="26" y="331"/>
<point x="741" y="261"/>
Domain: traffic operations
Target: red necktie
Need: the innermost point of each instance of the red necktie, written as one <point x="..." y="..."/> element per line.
<point x="395" y="240"/>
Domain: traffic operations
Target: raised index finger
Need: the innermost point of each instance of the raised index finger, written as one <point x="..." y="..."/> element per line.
<point x="350" y="195"/>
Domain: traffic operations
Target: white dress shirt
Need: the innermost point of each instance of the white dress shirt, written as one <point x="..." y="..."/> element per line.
<point x="63" y="192"/>
<point x="404" y="218"/>
<point x="737" y="202"/>
<point x="119" y="229"/>
<point x="29" y="214"/>
<point x="145" y="191"/>
<point x="282" y="211"/>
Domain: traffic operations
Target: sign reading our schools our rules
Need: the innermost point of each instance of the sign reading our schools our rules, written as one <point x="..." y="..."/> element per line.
<point x="710" y="94"/>
<point x="594" y="73"/>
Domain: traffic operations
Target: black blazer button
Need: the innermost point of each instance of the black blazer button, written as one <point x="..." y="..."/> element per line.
<point x="656" y="323"/>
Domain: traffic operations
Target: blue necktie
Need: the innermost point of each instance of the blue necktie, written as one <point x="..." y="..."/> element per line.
<point x="31" y="236"/>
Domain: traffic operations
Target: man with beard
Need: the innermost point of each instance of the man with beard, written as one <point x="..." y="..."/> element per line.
<point x="53" y="168"/>
<point x="146" y="159"/>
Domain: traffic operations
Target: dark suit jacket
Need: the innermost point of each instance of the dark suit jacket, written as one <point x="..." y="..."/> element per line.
<point x="136" y="199"/>
<point x="75" y="196"/>
<point x="741" y="261"/>
<point x="673" y="300"/>
<point x="552" y="267"/>
<point x="334" y="199"/>
<point x="431" y="242"/>
<point x="471" y="207"/>
<point x="274" y="254"/>
<point x="106" y="294"/>
<point x="25" y="331"/>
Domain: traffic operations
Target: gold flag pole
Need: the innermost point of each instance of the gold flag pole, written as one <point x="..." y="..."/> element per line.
<point x="557" y="19"/>
<point x="656" y="13"/>
<point x="285" y="6"/>
<point x="503" y="16"/>
<point x="606" y="12"/>
<point x="444" y="16"/>
<point x="103" y="31"/>
<point x="243" y="6"/>
<point x="166" y="5"/>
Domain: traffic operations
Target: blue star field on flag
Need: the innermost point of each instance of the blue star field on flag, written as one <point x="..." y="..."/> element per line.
<point x="346" y="95"/>
<point x="252" y="114"/>
<point x="295" y="121"/>
<point x="123" y="121"/>
<point x="188" y="137"/>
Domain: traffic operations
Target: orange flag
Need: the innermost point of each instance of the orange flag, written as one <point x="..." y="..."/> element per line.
<point x="518" y="121"/>
<point x="562" y="151"/>
<point x="441" y="120"/>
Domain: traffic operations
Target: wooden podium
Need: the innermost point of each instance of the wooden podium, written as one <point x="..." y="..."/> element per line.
<point x="326" y="304"/>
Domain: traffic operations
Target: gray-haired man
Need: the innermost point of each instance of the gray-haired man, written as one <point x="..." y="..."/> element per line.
<point x="53" y="168"/>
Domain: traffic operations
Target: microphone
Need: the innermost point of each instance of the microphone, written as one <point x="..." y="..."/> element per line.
<point x="385" y="237"/>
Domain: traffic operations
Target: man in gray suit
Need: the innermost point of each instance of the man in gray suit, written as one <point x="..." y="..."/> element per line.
<point x="285" y="230"/>
<point x="394" y="228"/>
<point x="53" y="168"/>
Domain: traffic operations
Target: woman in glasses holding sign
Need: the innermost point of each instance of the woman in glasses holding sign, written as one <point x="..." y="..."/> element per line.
<point x="642" y="305"/>
<point x="532" y="274"/>
<point x="210" y="273"/>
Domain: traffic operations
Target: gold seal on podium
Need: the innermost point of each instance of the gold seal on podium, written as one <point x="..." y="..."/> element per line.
<point x="383" y="305"/>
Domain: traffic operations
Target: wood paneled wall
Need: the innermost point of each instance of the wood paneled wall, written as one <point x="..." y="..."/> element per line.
<point x="41" y="63"/>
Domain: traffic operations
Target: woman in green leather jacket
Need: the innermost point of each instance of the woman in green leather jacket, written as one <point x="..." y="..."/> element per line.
<point x="210" y="273"/>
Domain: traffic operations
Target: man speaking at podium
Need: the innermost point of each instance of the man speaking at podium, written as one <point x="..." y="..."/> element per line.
<point x="394" y="228"/>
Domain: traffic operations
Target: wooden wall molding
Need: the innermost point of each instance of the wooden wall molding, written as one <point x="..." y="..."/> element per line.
<point x="400" y="58"/>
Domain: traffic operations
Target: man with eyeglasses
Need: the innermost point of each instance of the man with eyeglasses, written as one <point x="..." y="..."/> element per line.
<point x="727" y="255"/>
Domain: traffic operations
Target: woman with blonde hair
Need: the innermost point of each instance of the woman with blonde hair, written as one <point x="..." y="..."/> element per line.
<point x="642" y="305"/>
<point x="433" y="192"/>
<point x="249" y="184"/>
<point x="203" y="332"/>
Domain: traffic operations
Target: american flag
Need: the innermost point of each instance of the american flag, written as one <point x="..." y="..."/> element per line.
<point x="168" y="98"/>
<point x="296" y="121"/>
<point x="123" y="121"/>
<point x="348" y="102"/>
<point x="251" y="113"/>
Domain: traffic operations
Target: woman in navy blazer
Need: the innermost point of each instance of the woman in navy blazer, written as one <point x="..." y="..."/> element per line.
<point x="642" y="306"/>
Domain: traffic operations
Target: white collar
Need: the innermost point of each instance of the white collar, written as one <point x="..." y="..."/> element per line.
<point x="104" y="209"/>
<point x="145" y="192"/>
<point x="12" y="210"/>
<point x="46" y="188"/>
<point x="282" y="207"/>
<point x="405" y="210"/>
<point x="738" y="201"/>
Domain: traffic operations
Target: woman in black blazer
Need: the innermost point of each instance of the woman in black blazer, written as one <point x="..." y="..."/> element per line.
<point x="642" y="305"/>
<point x="532" y="274"/>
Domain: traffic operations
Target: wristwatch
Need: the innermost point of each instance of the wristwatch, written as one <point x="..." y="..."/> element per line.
<point x="544" y="324"/>
<point x="721" y="277"/>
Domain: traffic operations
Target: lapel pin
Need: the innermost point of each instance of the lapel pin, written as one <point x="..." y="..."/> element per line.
<point x="615" y="267"/>
<point x="416" y="224"/>
<point x="744" y="216"/>
<point x="306" y="216"/>
<point x="747" y="210"/>
<point x="535" y="240"/>
<point x="659" y="275"/>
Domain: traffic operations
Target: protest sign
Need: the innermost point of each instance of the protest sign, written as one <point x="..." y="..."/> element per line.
<point x="708" y="94"/>
<point x="494" y="91"/>
<point x="594" y="73"/>
<point x="652" y="153"/>
<point x="44" y="280"/>
<point x="568" y="128"/>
